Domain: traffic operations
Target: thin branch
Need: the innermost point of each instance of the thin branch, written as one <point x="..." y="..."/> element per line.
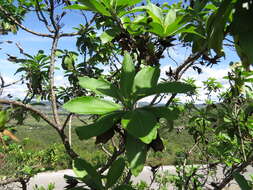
<point x="42" y="17"/>
<point x="51" y="15"/>
<point x="11" y="18"/>
<point x="182" y="68"/>
<point x="66" y="121"/>
<point x="106" y="151"/>
<point x="230" y="177"/>
<point x="30" y="108"/>
<point x="51" y="79"/>
<point x="87" y="25"/>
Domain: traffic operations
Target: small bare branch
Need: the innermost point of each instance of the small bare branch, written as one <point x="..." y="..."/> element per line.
<point x="30" y="108"/>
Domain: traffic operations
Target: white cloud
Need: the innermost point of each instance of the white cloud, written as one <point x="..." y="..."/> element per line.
<point x="217" y="73"/>
<point x="17" y="90"/>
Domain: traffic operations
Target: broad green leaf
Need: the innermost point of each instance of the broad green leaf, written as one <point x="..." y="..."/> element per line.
<point x="91" y="105"/>
<point x="136" y="153"/>
<point x="82" y="168"/>
<point x="108" y="35"/>
<point x="165" y="87"/>
<point x="169" y="18"/>
<point x="155" y="12"/>
<point x="147" y="77"/>
<point x="141" y="124"/>
<point x="127" y="75"/>
<point x="164" y="112"/>
<point x="115" y="172"/>
<point x="178" y="24"/>
<point x="127" y="3"/>
<point x="124" y="187"/>
<point x="188" y="29"/>
<point x="68" y="63"/>
<point x="157" y="29"/>
<point x="96" y="6"/>
<point x="103" y="124"/>
<point x="99" y="86"/>
<point x="216" y="25"/>
<point x="242" y="182"/>
<point x="242" y="29"/>
<point x="77" y="7"/>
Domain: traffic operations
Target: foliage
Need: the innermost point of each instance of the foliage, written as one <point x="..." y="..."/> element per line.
<point x="133" y="37"/>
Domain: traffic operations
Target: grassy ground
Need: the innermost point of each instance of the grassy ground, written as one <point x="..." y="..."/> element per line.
<point x="41" y="136"/>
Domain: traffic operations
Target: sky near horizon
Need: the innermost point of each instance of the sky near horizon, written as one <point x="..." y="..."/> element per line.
<point x="32" y="44"/>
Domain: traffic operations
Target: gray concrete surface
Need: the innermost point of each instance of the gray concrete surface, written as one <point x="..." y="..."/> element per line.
<point x="59" y="181"/>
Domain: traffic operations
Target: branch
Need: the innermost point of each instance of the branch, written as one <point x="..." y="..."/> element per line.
<point x="78" y="33"/>
<point x="30" y="108"/>
<point x="66" y="121"/>
<point x="230" y="177"/>
<point x="51" y="79"/>
<point x="42" y="17"/>
<point x="182" y="68"/>
<point x="11" y="18"/>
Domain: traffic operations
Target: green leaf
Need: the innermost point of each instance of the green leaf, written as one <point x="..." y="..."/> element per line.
<point x="157" y="29"/>
<point x="141" y="124"/>
<point x="99" y="86"/>
<point x="96" y="6"/>
<point x="216" y="25"/>
<point x="147" y="77"/>
<point x="77" y="7"/>
<point x="68" y="63"/>
<point x="108" y="35"/>
<point x="127" y="75"/>
<point x="155" y="12"/>
<point x="91" y="105"/>
<point x="136" y="153"/>
<point x="242" y="29"/>
<point x="125" y="3"/>
<point x="169" y="18"/>
<point x="173" y="27"/>
<point x="242" y="182"/>
<point x="103" y="124"/>
<point x="82" y="168"/>
<point x="115" y="172"/>
<point x="165" y="87"/>
<point x="124" y="187"/>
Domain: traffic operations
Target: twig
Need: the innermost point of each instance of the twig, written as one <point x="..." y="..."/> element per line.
<point x="66" y="121"/>
<point x="30" y="108"/>
<point x="11" y="18"/>
<point x="106" y="151"/>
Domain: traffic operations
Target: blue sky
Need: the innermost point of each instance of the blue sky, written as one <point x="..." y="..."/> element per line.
<point x="32" y="44"/>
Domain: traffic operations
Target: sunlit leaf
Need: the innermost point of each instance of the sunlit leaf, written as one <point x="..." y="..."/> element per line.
<point x="147" y="77"/>
<point x="127" y="75"/>
<point x="96" y="6"/>
<point x="91" y="105"/>
<point x="99" y="86"/>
